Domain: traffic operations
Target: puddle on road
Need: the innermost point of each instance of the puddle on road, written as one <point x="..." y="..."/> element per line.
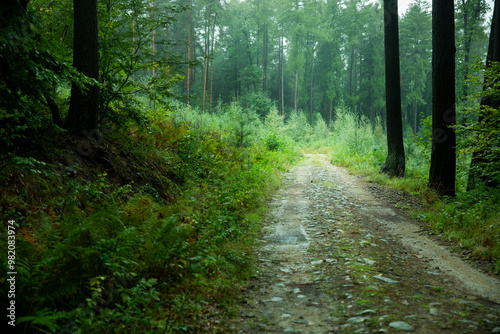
<point x="288" y="234"/>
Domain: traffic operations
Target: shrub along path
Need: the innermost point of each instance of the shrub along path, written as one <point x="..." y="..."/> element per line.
<point x="337" y="257"/>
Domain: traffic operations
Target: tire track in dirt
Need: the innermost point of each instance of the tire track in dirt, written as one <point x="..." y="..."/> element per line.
<point x="336" y="258"/>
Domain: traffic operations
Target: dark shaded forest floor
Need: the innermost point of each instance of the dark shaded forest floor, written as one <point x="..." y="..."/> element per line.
<point x="337" y="256"/>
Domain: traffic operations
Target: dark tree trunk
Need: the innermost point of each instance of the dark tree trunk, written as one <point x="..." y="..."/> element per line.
<point x="492" y="56"/>
<point x="84" y="104"/>
<point x="54" y="109"/>
<point x="443" y="156"/>
<point x="395" y="161"/>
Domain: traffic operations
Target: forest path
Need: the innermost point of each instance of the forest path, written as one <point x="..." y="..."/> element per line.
<point x="337" y="257"/>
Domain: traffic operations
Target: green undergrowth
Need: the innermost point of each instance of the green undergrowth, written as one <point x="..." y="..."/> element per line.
<point x="143" y="230"/>
<point x="471" y="221"/>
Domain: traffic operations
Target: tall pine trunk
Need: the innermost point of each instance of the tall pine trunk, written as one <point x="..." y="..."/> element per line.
<point x="443" y="157"/>
<point x="84" y="103"/>
<point x="395" y="161"/>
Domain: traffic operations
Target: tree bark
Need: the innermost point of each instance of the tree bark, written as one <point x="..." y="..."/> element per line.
<point x="395" y="161"/>
<point x="84" y="104"/>
<point x="443" y="156"/>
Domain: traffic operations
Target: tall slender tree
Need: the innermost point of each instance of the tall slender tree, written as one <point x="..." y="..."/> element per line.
<point x="443" y="156"/>
<point x="395" y="161"/>
<point x="84" y="104"/>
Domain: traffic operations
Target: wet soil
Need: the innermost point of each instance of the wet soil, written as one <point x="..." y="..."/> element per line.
<point x="337" y="256"/>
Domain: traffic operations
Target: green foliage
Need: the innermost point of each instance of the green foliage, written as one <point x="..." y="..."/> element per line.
<point x="480" y="135"/>
<point x="276" y="136"/>
<point x="298" y="127"/>
<point x="34" y="64"/>
<point x="35" y="75"/>
<point x="132" y="256"/>
<point x="357" y="144"/>
<point x="243" y="123"/>
<point x="260" y="102"/>
<point x="12" y="128"/>
<point x="126" y="61"/>
<point x="472" y="222"/>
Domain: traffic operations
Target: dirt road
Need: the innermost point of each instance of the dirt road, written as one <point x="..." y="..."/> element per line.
<point x="337" y="257"/>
